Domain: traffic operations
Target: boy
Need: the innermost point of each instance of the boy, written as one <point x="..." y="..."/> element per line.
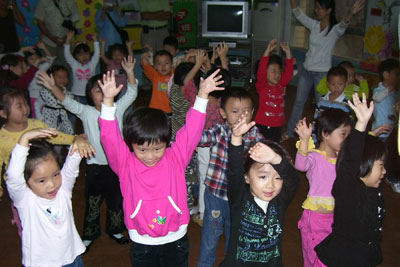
<point x="234" y="103"/>
<point x="170" y="44"/>
<point x="351" y="87"/>
<point x="271" y="84"/>
<point x="159" y="76"/>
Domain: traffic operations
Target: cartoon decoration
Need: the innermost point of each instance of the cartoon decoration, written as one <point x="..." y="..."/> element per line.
<point x="374" y="39"/>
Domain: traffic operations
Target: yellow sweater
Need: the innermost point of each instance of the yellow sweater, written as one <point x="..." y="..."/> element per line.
<point x="9" y="139"/>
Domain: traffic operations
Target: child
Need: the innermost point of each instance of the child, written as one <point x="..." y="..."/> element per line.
<point x="159" y="76"/>
<point x="101" y="181"/>
<point x="359" y="204"/>
<point x="42" y="194"/>
<point x="333" y="126"/>
<point x="234" y="102"/>
<point x="271" y="84"/>
<point x="152" y="177"/>
<point x="54" y="114"/>
<point x="118" y="52"/>
<point x="386" y="95"/>
<point x="258" y="208"/>
<point x="171" y="45"/>
<point x="351" y="87"/>
<point x="82" y="64"/>
<point x="219" y="56"/>
<point x="15" y="73"/>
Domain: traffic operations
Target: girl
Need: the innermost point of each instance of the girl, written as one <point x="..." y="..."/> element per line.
<point x="258" y="208"/>
<point x="153" y="176"/>
<point x="83" y="66"/>
<point x="359" y="205"/>
<point x="42" y="194"/>
<point x="333" y="126"/>
<point x="324" y="32"/>
<point x="54" y="115"/>
<point x="101" y="181"/>
<point x="118" y="52"/>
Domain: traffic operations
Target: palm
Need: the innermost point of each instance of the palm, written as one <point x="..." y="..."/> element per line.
<point x="108" y="86"/>
<point x="211" y="83"/>
<point x="262" y="153"/>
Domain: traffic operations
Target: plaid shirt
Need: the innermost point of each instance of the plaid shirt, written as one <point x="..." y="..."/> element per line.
<point x="218" y="138"/>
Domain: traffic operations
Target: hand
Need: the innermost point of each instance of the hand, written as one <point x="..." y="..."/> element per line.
<point x="286" y="48"/>
<point x="271" y="47"/>
<point x="363" y="112"/>
<point x="40" y="45"/>
<point x="303" y="130"/>
<point x="241" y="126"/>
<point x="214" y="55"/>
<point x="128" y="64"/>
<point x="83" y="147"/>
<point x="359" y="77"/>
<point x="222" y="49"/>
<point x="70" y="36"/>
<point x="200" y="56"/>
<point x="27" y="136"/>
<point x="129" y="44"/>
<point x="382" y="129"/>
<point x="95" y="36"/>
<point x="262" y="153"/>
<point x="149" y="48"/>
<point x="28" y="49"/>
<point x="108" y="86"/>
<point x="46" y="80"/>
<point x="210" y="84"/>
<point x="357" y="6"/>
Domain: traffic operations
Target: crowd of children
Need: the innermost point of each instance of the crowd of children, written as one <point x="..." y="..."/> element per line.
<point x="197" y="132"/>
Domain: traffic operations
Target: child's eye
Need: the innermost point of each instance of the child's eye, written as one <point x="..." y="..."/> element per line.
<point x="278" y="178"/>
<point x="263" y="177"/>
<point x="57" y="174"/>
<point x="41" y="181"/>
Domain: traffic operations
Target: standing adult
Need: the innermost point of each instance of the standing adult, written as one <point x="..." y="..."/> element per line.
<point x="9" y="14"/>
<point x="155" y="15"/>
<point x="107" y="31"/>
<point x="55" y="18"/>
<point x="324" y="32"/>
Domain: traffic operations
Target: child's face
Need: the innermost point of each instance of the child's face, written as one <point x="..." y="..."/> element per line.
<point x="18" y="111"/>
<point x="83" y="57"/>
<point x="97" y="97"/>
<point x="375" y="176"/>
<point x="32" y="59"/>
<point x="163" y="65"/>
<point x="171" y="49"/>
<point x="45" y="180"/>
<point x="60" y="78"/>
<point x="149" y="154"/>
<point x="18" y="69"/>
<point x="117" y="56"/>
<point x="335" y="139"/>
<point x="234" y="108"/>
<point x="336" y="84"/>
<point x="273" y="74"/>
<point x="351" y="74"/>
<point x="392" y="78"/>
<point x="265" y="183"/>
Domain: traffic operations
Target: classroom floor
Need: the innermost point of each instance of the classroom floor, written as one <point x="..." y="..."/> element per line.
<point x="106" y="252"/>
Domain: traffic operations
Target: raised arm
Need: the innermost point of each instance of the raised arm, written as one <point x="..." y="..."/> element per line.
<point x="222" y="51"/>
<point x="129" y="47"/>
<point x="67" y="48"/>
<point x="287" y="75"/>
<point x="200" y="58"/>
<point x="103" y="52"/>
<point x="294" y="3"/>
<point x="48" y="82"/>
<point x="304" y="130"/>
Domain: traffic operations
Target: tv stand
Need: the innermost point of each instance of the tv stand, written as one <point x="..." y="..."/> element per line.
<point x="216" y="43"/>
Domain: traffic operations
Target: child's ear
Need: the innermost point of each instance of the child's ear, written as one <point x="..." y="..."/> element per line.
<point x="325" y="135"/>
<point x="3" y="114"/>
<point x="247" y="179"/>
<point x="222" y="112"/>
<point x="385" y="75"/>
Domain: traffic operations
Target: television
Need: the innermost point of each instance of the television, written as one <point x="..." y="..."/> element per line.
<point x="225" y="19"/>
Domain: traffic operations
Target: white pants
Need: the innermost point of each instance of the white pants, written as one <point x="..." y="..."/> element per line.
<point x="203" y="158"/>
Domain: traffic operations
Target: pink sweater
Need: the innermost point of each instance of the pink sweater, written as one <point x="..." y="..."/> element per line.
<point x="155" y="198"/>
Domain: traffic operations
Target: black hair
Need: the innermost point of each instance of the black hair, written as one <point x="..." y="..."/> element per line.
<point x="326" y="4"/>
<point x="172" y="41"/>
<point x="226" y="77"/>
<point x="146" y="125"/>
<point x="374" y="149"/>
<point x="7" y="96"/>
<point x="346" y="64"/>
<point x="235" y="92"/>
<point x="275" y="59"/>
<point x="329" y="120"/>
<point x="162" y="53"/>
<point x="117" y="47"/>
<point x="182" y="71"/>
<point x="40" y="150"/>
<point x="28" y="54"/>
<point x="53" y="69"/>
<point x="387" y="66"/>
<point x="80" y="48"/>
<point x="337" y="71"/>
<point x="92" y="82"/>
<point x="278" y="149"/>
<point x="6" y="74"/>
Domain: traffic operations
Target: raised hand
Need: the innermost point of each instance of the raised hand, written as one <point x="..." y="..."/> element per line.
<point x="214" y="55"/>
<point x="382" y="129"/>
<point x="286" y="48"/>
<point x="303" y="129"/>
<point x="27" y="136"/>
<point x="222" y="49"/>
<point x="359" y="77"/>
<point x="271" y="47"/>
<point x="128" y="64"/>
<point x="46" y="80"/>
<point x="83" y="147"/>
<point x="210" y="84"/>
<point x="70" y="36"/>
<point x="40" y="45"/>
<point x="357" y="6"/>
<point x="262" y="153"/>
<point x="241" y="126"/>
<point x="109" y="88"/>
<point x="362" y="111"/>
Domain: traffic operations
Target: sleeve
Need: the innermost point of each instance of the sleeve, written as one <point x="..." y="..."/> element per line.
<point x="70" y="171"/>
<point x="98" y="20"/>
<point x="40" y="12"/>
<point x="380" y="94"/>
<point x="304" y="162"/>
<point x="16" y="184"/>
<point x="262" y="74"/>
<point x="68" y="57"/>
<point x="287" y="75"/>
<point x="120" y="21"/>
<point x="341" y="28"/>
<point x="291" y="180"/>
<point x="149" y="71"/>
<point x="322" y="87"/>
<point x="60" y="138"/>
<point x="74" y="106"/>
<point x="74" y="11"/>
<point x="364" y="88"/>
<point x="46" y="65"/>
<point x="303" y="18"/>
<point x="114" y="145"/>
<point x="127" y="99"/>
<point x="48" y="98"/>
<point x="26" y="78"/>
<point x="190" y="92"/>
<point x="235" y="172"/>
<point x="211" y="136"/>
<point x="96" y="55"/>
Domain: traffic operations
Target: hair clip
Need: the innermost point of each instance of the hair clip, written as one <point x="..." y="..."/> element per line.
<point x="5" y="67"/>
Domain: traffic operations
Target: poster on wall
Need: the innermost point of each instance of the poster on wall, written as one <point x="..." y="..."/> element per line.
<point x="184" y="12"/>
<point x="29" y="34"/>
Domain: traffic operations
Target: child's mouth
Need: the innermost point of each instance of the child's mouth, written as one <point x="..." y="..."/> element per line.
<point x="52" y="193"/>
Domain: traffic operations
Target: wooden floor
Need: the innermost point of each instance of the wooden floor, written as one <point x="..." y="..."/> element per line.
<point x="106" y="252"/>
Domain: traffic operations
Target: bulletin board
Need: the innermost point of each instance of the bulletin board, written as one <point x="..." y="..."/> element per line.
<point x="185" y="15"/>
